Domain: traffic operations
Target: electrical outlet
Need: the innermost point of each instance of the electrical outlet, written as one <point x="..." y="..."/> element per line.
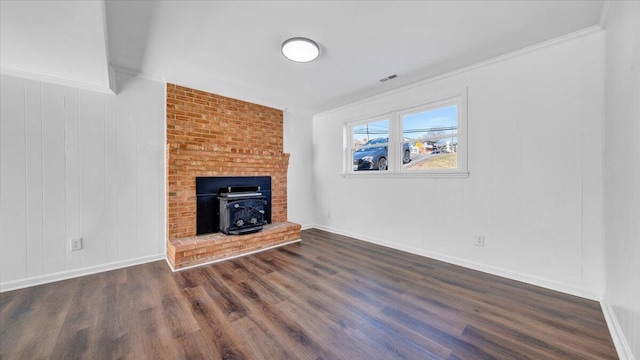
<point x="76" y="244"/>
<point x="480" y="240"/>
<point x="328" y="214"/>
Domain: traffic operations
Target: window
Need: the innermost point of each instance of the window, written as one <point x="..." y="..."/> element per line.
<point x="429" y="139"/>
<point x="369" y="146"/>
<point x="432" y="135"/>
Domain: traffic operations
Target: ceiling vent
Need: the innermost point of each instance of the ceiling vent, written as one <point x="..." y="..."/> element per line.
<point x="389" y="78"/>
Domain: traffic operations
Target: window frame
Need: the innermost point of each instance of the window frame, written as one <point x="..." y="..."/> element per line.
<point x="395" y="117"/>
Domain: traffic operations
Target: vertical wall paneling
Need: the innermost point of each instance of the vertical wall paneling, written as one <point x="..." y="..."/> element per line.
<point x="54" y="187"/>
<point x="33" y="138"/>
<point x="127" y="158"/>
<point x="592" y="147"/>
<point x="448" y="201"/>
<point x="506" y="239"/>
<point x="75" y="164"/>
<point x="478" y="194"/>
<point x="72" y="161"/>
<point x="297" y="142"/>
<point x="142" y="211"/>
<point x="621" y="163"/>
<point x="13" y="206"/>
<point x="150" y="164"/>
<point x="162" y="211"/>
<point x="111" y="181"/>
<point x="92" y="177"/>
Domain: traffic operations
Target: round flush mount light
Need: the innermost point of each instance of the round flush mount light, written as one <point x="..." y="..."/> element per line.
<point x="300" y="49"/>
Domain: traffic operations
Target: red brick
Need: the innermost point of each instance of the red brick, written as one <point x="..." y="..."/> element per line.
<point x="212" y="135"/>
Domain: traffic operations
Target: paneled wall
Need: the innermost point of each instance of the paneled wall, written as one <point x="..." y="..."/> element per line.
<point x="75" y="163"/>
<point x="298" y="142"/>
<point x="622" y="175"/>
<point x="535" y="161"/>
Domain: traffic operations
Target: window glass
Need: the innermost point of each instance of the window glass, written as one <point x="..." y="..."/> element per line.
<point x="427" y="140"/>
<point x="430" y="138"/>
<point x="370" y="145"/>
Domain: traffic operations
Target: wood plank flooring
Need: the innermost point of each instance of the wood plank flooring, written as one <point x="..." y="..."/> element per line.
<point x="328" y="297"/>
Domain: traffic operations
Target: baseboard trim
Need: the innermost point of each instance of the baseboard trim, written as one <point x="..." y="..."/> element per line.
<point x="230" y="257"/>
<point x="69" y="274"/>
<point x="620" y="342"/>
<point x="306" y="227"/>
<point x="548" y="284"/>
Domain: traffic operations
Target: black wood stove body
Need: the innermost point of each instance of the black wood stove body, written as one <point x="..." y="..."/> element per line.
<point x="242" y="210"/>
<point x="232" y="204"/>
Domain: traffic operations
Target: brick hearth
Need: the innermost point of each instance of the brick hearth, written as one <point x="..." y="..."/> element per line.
<point x="194" y="250"/>
<point x="212" y="135"/>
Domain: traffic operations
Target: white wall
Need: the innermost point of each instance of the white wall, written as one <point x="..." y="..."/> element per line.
<point x="298" y="143"/>
<point x="535" y="183"/>
<point x="75" y="163"/>
<point x="622" y="175"/>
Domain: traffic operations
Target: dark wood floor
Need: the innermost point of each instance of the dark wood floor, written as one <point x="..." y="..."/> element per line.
<point x="329" y="297"/>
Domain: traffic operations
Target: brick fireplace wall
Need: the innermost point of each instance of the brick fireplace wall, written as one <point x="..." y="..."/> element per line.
<point x="212" y="135"/>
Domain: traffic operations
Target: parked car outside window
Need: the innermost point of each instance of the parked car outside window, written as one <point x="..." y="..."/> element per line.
<point x="376" y="157"/>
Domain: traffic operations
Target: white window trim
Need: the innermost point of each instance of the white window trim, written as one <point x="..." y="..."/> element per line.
<point x="395" y="141"/>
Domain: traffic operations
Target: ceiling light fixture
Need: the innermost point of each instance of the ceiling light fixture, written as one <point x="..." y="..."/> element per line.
<point x="300" y="49"/>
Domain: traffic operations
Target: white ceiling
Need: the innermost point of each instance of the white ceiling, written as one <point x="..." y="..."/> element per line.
<point x="233" y="47"/>
<point x="64" y="40"/>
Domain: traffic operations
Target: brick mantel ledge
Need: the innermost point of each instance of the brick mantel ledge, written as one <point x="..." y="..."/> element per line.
<point x="204" y="249"/>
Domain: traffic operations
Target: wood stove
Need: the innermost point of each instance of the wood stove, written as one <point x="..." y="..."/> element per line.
<point x="212" y="191"/>
<point x="242" y="210"/>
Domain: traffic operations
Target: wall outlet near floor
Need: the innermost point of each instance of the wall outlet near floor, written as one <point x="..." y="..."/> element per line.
<point x="480" y="240"/>
<point x="76" y="244"/>
<point x="328" y="214"/>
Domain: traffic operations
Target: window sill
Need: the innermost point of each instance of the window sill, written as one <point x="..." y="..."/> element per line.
<point x="413" y="174"/>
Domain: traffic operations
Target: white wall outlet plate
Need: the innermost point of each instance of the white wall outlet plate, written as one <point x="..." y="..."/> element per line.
<point x="76" y="244"/>
<point x="479" y="240"/>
